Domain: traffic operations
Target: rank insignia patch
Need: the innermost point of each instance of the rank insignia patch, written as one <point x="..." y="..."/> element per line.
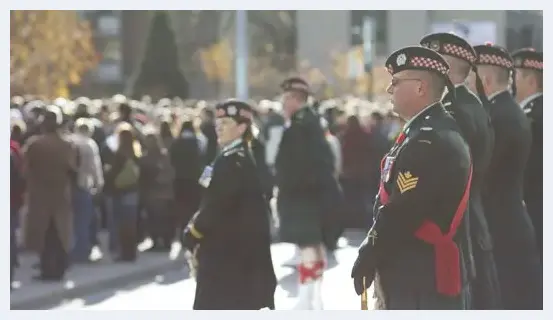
<point x="406" y="181"/>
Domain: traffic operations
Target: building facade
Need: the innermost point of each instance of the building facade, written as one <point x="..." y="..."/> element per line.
<point x="120" y="36"/>
<point x="512" y="29"/>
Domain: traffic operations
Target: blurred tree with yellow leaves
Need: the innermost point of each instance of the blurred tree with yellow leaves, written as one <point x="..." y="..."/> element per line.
<point x="50" y="50"/>
<point x="217" y="61"/>
<point x="350" y="76"/>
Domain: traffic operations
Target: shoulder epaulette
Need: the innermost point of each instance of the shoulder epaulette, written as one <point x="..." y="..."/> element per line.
<point x="426" y="129"/>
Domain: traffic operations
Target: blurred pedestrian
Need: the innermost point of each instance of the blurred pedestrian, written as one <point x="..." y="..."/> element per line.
<point x="17" y="187"/>
<point x="50" y="166"/>
<point x="89" y="182"/>
<point x="156" y="179"/>
<point x="187" y="156"/>
<point x="304" y="176"/>
<point x="122" y="186"/>
<point x="357" y="170"/>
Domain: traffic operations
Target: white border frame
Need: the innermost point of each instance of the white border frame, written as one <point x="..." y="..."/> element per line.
<point x="264" y="5"/>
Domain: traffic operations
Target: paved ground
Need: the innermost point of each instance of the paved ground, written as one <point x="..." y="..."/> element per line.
<point x="175" y="291"/>
<point x="82" y="280"/>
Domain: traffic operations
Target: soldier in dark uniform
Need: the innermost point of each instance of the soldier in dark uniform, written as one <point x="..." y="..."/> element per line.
<point x="411" y="251"/>
<point x="529" y="94"/>
<point x="304" y="176"/>
<point x="475" y="125"/>
<point x="230" y="233"/>
<point x="258" y="151"/>
<point x="515" y="252"/>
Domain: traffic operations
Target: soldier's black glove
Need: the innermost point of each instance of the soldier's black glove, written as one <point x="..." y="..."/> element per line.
<point x="364" y="266"/>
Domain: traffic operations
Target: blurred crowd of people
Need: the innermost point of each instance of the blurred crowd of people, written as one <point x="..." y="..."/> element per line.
<point x="132" y="167"/>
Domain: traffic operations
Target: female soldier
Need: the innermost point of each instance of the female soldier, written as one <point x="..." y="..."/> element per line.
<point x="230" y="233"/>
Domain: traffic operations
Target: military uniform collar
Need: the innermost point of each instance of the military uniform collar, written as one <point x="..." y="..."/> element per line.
<point x="497" y="93"/>
<point x="422" y="114"/>
<point x="446" y="91"/>
<point x="232" y="145"/>
<point x="300" y="113"/>
<point x="460" y="87"/>
<point x="528" y="99"/>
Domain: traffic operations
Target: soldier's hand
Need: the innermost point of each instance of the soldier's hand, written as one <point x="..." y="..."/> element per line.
<point x="189" y="242"/>
<point x="358" y="285"/>
<point x="362" y="269"/>
<point x="364" y="266"/>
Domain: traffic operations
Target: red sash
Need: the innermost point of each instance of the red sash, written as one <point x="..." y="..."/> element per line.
<point x="446" y="252"/>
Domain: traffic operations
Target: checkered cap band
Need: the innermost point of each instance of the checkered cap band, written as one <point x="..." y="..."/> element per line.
<point x="236" y="110"/>
<point x="495" y="60"/>
<point x="459" y="52"/>
<point x="532" y="64"/>
<point x="428" y="63"/>
<point x="298" y="86"/>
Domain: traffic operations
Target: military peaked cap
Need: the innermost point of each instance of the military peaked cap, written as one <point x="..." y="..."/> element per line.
<point x="528" y="58"/>
<point x="295" y="84"/>
<point x="451" y="45"/>
<point x="240" y="111"/>
<point x="493" y="55"/>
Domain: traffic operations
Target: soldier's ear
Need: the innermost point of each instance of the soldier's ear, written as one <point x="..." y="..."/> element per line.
<point x="422" y="86"/>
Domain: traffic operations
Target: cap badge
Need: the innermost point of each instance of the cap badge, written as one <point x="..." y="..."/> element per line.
<point x="231" y="110"/>
<point x="401" y="59"/>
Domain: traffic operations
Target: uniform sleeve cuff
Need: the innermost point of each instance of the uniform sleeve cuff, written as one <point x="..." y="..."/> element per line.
<point x="194" y="232"/>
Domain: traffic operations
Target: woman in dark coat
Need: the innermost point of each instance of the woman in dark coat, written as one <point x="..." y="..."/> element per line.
<point x="187" y="160"/>
<point x="122" y="186"/>
<point x="230" y="235"/>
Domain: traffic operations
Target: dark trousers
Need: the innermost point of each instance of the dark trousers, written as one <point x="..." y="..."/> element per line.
<point x="13" y="245"/>
<point x="14" y="223"/>
<point x="161" y="224"/>
<point x="53" y="258"/>
<point x="93" y="230"/>
<point x="123" y="210"/>
<point x="128" y="238"/>
<point x="84" y="211"/>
